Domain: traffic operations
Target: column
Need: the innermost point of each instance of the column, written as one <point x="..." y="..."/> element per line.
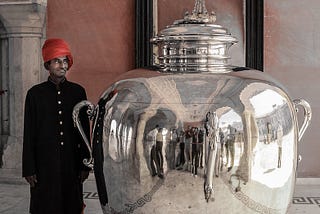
<point x="22" y="30"/>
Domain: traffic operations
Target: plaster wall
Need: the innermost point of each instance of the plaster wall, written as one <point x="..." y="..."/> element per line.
<point x="101" y="36"/>
<point x="291" y="55"/>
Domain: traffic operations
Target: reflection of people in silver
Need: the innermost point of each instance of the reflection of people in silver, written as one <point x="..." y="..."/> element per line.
<point x="151" y="139"/>
<point x="269" y="136"/>
<point x="187" y="149"/>
<point x="156" y="154"/>
<point x="181" y="155"/>
<point x="171" y="148"/>
<point x="230" y="146"/>
<point x="279" y="142"/>
<point x="195" y="151"/>
<point x="201" y="141"/>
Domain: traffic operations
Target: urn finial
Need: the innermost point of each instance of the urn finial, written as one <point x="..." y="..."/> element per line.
<point x="200" y="14"/>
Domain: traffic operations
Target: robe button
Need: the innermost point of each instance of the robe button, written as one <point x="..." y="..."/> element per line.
<point x="61" y="143"/>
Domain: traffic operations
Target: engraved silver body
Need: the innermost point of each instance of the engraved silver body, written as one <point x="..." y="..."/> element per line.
<point x="195" y="136"/>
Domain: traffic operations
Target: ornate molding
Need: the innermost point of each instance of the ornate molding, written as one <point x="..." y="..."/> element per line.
<point x="22" y="18"/>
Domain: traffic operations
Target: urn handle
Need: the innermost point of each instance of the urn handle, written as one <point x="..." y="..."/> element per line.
<point x="307" y="115"/>
<point x="91" y="111"/>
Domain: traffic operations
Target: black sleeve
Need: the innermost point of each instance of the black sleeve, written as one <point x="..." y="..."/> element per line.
<point x="29" y="137"/>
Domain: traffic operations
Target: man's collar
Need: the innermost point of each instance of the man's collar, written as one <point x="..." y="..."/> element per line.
<point x="55" y="83"/>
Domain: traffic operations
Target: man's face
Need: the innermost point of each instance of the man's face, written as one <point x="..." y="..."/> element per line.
<point x="58" y="67"/>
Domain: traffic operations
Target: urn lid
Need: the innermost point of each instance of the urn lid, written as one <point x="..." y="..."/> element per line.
<point x="194" y="44"/>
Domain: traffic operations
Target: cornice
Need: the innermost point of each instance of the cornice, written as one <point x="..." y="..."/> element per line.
<point x="21" y="2"/>
<point x="22" y="18"/>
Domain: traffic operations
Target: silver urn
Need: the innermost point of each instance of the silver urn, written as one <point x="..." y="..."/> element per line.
<point x="196" y="135"/>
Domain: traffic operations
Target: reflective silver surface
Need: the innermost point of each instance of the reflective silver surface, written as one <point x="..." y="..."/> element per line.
<point x="195" y="136"/>
<point x="246" y="160"/>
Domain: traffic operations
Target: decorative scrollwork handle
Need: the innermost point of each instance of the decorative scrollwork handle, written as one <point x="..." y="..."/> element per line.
<point x="91" y="111"/>
<point x="307" y="115"/>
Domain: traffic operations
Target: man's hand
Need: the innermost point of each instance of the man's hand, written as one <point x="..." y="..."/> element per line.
<point x="32" y="180"/>
<point x="83" y="176"/>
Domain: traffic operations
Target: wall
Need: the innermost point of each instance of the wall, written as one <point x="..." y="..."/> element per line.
<point x="292" y="50"/>
<point x="101" y="36"/>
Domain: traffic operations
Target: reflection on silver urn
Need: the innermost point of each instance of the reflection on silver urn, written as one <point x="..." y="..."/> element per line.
<point x="196" y="135"/>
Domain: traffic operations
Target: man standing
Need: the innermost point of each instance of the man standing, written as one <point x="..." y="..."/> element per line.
<point x="53" y="149"/>
<point x="157" y="152"/>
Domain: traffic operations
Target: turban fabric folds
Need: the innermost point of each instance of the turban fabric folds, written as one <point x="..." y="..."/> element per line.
<point x="53" y="48"/>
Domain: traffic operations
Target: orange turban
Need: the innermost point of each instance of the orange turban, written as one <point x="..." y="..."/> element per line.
<point x="53" y="48"/>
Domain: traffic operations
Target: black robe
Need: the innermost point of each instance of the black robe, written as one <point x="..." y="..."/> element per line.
<point x="53" y="149"/>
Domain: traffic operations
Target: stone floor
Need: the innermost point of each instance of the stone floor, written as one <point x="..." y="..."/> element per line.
<point x="14" y="195"/>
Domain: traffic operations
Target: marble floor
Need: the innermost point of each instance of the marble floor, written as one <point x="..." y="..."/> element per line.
<point x="14" y="196"/>
<point x="306" y="197"/>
